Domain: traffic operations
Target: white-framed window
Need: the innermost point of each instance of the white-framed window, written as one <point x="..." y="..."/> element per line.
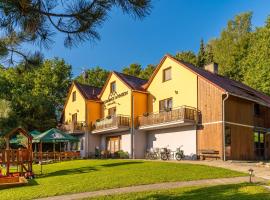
<point x="113" y="86"/>
<point x="165" y="104"/>
<point x="74" y="96"/>
<point x="167" y="74"/>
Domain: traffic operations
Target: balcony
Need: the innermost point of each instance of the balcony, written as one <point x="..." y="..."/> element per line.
<point x="181" y="116"/>
<point x="111" y="124"/>
<point x="75" y="127"/>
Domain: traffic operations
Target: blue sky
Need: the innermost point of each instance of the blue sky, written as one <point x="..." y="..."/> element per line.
<point x="172" y="26"/>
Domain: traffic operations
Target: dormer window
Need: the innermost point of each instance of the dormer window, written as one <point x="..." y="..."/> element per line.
<point x="74" y="96"/>
<point x="113" y="87"/>
<point x="167" y="74"/>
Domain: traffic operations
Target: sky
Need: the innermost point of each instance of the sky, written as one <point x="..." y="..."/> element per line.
<point x="172" y="26"/>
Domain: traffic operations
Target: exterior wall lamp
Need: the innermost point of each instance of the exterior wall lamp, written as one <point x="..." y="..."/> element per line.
<point x="250" y="174"/>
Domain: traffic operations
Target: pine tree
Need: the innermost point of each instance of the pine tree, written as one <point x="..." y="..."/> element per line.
<point x="209" y="55"/>
<point x="35" y="22"/>
<point x="201" y="55"/>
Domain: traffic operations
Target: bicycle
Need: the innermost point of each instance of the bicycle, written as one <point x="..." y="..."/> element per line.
<point x="179" y="154"/>
<point x="165" y="154"/>
<point x="152" y="154"/>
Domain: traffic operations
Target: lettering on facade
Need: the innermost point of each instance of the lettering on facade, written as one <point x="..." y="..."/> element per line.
<point x="116" y="96"/>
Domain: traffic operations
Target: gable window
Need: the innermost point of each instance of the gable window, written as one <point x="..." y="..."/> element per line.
<point x="257" y="109"/>
<point x="113" y="87"/>
<point x="165" y="105"/>
<point x="74" y="96"/>
<point x="74" y="118"/>
<point x="112" y="111"/>
<point x="167" y="74"/>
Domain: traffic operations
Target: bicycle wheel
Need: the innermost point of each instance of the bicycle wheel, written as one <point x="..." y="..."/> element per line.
<point x="178" y="156"/>
<point x="164" y="156"/>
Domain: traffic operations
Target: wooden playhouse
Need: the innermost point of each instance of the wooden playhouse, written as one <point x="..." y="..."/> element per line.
<point x="17" y="162"/>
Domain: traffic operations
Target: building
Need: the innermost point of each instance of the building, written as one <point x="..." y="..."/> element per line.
<point x="81" y="110"/>
<point x="123" y="100"/>
<point x="180" y="105"/>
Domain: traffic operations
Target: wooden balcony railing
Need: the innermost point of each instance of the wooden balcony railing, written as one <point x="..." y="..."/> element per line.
<point x="112" y="121"/>
<point x="74" y="127"/>
<point x="66" y="155"/>
<point x="183" y="113"/>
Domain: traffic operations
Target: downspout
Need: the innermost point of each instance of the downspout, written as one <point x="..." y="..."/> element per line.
<point x="223" y="125"/>
<point x="132" y="126"/>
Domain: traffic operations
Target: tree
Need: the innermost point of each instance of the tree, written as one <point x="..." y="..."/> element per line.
<point x="4" y="108"/>
<point x="27" y="21"/>
<point x="201" y="58"/>
<point x="231" y="48"/>
<point x="36" y="96"/>
<point x="147" y="71"/>
<point x="209" y="55"/>
<point x="96" y="76"/>
<point x="136" y="69"/>
<point x="187" y="56"/>
<point x="257" y="61"/>
<point x="133" y="69"/>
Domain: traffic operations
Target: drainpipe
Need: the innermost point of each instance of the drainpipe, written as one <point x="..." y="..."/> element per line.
<point x="223" y="125"/>
<point x="132" y="126"/>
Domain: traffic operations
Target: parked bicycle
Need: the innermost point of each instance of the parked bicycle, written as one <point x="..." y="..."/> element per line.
<point x="179" y="154"/>
<point x="165" y="154"/>
<point x="153" y="154"/>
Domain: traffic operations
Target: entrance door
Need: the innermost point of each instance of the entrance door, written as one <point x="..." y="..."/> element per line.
<point x="259" y="145"/>
<point x="113" y="144"/>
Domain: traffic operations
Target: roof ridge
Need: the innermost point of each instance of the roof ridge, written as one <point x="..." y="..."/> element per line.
<point x="130" y="75"/>
<point x="85" y="84"/>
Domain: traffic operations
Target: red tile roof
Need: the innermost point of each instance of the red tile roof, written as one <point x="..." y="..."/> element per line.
<point x="133" y="82"/>
<point x="89" y="92"/>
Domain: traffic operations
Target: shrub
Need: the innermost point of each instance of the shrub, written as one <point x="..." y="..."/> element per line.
<point x="122" y="154"/>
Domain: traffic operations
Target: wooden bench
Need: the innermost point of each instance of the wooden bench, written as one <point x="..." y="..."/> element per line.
<point x="209" y="153"/>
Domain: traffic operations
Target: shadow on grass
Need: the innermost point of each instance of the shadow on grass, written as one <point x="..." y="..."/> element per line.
<point x="224" y="192"/>
<point x="121" y="163"/>
<point x="80" y="170"/>
<point x="31" y="182"/>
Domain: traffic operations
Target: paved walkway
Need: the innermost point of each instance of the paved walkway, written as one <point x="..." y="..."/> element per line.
<point x="158" y="186"/>
<point x="241" y="166"/>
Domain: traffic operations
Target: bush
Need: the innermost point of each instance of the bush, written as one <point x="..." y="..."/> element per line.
<point x="122" y="154"/>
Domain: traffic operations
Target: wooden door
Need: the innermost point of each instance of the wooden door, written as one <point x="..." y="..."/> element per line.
<point x="259" y="145"/>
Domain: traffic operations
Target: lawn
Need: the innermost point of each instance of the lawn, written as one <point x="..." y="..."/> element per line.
<point x="223" y="192"/>
<point x="89" y="175"/>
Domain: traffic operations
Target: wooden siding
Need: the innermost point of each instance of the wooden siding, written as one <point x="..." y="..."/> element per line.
<point x="263" y="120"/>
<point x="209" y="136"/>
<point x="209" y="102"/>
<point x="241" y="111"/>
<point x="242" y="145"/>
<point x="238" y="111"/>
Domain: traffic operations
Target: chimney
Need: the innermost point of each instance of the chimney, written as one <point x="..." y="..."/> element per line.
<point x="212" y="67"/>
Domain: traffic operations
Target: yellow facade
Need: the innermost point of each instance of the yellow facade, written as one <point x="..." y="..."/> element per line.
<point x="78" y="106"/>
<point x="93" y="111"/>
<point x="140" y="105"/>
<point x="182" y="87"/>
<point x="121" y="99"/>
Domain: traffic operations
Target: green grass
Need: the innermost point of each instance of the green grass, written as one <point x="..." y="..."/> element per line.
<point x="222" y="192"/>
<point x="89" y="175"/>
